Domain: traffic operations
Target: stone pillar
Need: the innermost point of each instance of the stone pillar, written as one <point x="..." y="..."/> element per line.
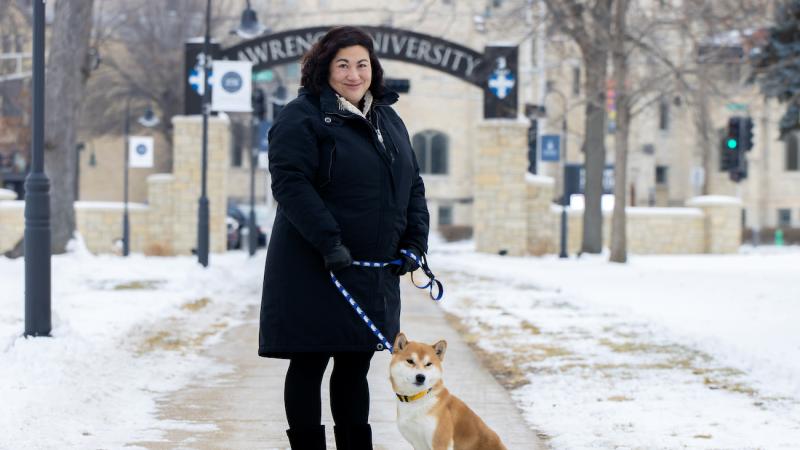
<point x="500" y="209"/>
<point x="160" y="189"/>
<point x="722" y="222"/>
<point x="187" y="154"/>
<point x="543" y="230"/>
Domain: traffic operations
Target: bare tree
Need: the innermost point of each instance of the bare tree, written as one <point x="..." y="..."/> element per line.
<point x="619" y="57"/>
<point x="588" y="25"/>
<point x="142" y="46"/>
<point x="68" y="69"/>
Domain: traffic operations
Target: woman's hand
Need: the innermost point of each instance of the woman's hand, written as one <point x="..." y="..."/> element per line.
<point x="338" y="258"/>
<point x="409" y="264"/>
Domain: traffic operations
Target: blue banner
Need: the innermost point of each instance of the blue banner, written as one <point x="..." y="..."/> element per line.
<point x="551" y="147"/>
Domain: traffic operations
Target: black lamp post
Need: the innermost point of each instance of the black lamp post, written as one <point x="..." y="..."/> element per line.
<point x="148" y="120"/>
<point x="248" y="28"/>
<point x="564" y="201"/>
<point x="37" y="200"/>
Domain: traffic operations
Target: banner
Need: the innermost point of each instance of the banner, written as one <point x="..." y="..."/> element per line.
<point x="551" y="147"/>
<point x="232" y="86"/>
<point x="140" y="151"/>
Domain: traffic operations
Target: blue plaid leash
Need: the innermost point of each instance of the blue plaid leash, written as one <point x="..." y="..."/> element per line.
<point x="422" y="262"/>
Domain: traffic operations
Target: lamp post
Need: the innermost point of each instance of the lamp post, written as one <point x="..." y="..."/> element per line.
<point x="202" y="210"/>
<point x="248" y="28"/>
<point x="37" y="200"/>
<point x="563" y="247"/>
<point x="148" y="120"/>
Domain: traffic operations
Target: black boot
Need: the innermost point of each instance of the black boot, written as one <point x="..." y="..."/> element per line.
<point x="312" y="438"/>
<point x="342" y="435"/>
<point x="358" y="437"/>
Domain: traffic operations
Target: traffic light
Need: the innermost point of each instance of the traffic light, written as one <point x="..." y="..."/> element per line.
<point x="738" y="140"/>
<point x="746" y="128"/>
<point x="257" y="101"/>
<point x="733" y="143"/>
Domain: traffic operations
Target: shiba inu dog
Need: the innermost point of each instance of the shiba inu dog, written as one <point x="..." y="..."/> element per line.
<point x="429" y="417"/>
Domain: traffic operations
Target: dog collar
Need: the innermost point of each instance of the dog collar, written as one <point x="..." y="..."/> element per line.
<point x="411" y="398"/>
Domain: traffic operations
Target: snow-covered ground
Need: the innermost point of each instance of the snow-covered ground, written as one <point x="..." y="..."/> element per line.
<point x="699" y="351"/>
<point x="124" y="331"/>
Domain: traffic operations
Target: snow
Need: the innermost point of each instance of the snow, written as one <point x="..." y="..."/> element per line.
<point x="114" y="206"/>
<point x="699" y="351"/>
<point x="125" y="331"/>
<point x="695" y="351"/>
<point x="713" y="200"/>
<point x="539" y="179"/>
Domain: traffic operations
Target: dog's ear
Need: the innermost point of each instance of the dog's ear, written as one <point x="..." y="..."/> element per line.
<point x="440" y="348"/>
<point x="400" y="342"/>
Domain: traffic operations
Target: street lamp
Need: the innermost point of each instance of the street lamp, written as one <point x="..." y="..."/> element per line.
<point x="148" y="120"/>
<point x="37" y="200"/>
<point x="564" y="202"/>
<point x="248" y="28"/>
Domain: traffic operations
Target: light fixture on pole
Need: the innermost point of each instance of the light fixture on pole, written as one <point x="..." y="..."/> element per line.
<point x="249" y="26"/>
<point x="37" y="200"/>
<point x="148" y="120"/>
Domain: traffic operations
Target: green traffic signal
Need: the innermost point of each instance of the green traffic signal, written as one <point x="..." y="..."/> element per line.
<point x="732" y="144"/>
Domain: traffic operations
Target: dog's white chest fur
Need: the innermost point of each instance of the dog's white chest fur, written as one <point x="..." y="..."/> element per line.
<point x="416" y="424"/>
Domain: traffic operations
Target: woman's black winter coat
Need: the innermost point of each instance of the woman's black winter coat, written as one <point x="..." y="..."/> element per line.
<point x="335" y="181"/>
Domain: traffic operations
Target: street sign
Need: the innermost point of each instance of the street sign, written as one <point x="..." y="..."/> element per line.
<point x="551" y="147"/>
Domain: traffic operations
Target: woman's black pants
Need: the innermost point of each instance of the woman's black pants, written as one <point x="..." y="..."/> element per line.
<point x="349" y="390"/>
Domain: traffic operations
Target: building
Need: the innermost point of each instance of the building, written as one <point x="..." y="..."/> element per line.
<point x="675" y="142"/>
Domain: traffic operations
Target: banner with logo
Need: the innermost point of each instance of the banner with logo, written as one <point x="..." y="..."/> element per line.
<point x="140" y="151"/>
<point x="232" y="86"/>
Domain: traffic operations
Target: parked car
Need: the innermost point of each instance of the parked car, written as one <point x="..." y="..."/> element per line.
<point x="234" y="238"/>
<point x="240" y="214"/>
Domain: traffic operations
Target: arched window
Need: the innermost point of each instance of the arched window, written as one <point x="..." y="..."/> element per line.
<point x="431" y="148"/>
<point x="792" y="153"/>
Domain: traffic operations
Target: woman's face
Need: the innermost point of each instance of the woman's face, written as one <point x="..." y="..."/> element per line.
<point x="351" y="73"/>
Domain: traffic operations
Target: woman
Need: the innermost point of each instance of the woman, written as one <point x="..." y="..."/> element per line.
<point x="348" y="187"/>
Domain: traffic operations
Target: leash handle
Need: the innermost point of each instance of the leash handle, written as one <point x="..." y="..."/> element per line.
<point x="433" y="284"/>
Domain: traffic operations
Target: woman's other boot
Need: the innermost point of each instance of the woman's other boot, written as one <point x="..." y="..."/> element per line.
<point x="312" y="438"/>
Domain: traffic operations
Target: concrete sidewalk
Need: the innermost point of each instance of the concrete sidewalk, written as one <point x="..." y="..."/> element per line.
<point x="246" y="406"/>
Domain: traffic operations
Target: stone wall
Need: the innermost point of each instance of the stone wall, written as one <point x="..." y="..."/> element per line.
<point x="501" y="194"/>
<point x="167" y="225"/>
<point x="543" y="231"/>
<point x="706" y="226"/>
<point x="12" y="223"/>
<point x="187" y="144"/>
<point x="722" y="222"/>
<point x="100" y="225"/>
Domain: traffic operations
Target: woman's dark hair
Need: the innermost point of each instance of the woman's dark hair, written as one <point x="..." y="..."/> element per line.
<point x="317" y="60"/>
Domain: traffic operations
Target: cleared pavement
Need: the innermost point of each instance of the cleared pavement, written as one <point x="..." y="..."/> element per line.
<point x="244" y="409"/>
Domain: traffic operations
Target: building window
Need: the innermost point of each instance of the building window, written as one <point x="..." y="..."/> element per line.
<point x="431" y="149"/>
<point x="446" y="215"/>
<point x="661" y="175"/>
<point x="663" y="114"/>
<point x="784" y="218"/>
<point x="576" y="80"/>
<point x="792" y="153"/>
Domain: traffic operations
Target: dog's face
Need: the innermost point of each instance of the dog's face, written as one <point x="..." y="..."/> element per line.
<point x="415" y="366"/>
